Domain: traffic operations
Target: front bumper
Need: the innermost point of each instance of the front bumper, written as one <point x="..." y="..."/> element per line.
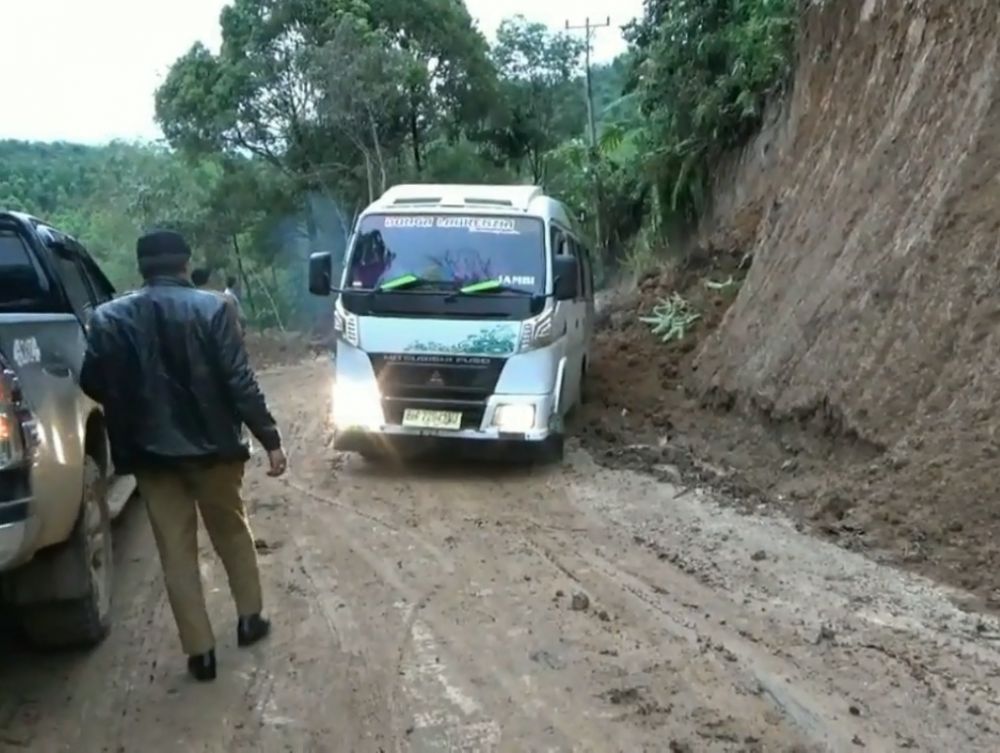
<point x="18" y="528"/>
<point x="372" y="394"/>
<point x="394" y="443"/>
<point x="362" y="438"/>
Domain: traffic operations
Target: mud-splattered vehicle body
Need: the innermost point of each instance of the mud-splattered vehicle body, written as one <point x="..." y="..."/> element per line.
<point x="58" y="488"/>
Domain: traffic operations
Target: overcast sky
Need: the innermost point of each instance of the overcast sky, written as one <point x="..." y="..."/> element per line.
<point x="86" y="70"/>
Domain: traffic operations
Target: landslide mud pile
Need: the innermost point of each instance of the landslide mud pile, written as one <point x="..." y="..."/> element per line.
<point x="864" y="343"/>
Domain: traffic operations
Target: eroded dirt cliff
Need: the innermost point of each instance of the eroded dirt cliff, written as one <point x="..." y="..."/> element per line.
<point x="864" y="342"/>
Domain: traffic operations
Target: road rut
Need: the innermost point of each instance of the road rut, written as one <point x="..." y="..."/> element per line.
<point x="460" y="606"/>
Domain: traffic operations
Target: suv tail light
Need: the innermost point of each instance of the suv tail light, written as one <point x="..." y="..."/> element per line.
<point x="18" y="430"/>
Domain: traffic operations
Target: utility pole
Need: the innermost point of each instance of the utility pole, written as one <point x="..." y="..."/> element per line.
<point x="589" y="28"/>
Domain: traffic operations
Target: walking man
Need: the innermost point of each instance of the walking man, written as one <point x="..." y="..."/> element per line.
<point x="171" y="370"/>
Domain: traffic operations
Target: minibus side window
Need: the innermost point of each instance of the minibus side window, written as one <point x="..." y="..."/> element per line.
<point x="559" y="245"/>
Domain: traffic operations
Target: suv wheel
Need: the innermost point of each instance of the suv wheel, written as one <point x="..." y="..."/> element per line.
<point x="83" y="621"/>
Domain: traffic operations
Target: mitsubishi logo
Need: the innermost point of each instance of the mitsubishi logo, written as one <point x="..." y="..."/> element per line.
<point x="436" y="379"/>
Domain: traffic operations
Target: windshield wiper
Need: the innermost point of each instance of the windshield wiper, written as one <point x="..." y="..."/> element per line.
<point x="492" y="286"/>
<point x="483" y="286"/>
<point x="405" y="281"/>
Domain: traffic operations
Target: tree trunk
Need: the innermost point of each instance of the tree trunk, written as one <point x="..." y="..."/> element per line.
<point x="383" y="180"/>
<point x="537" y="162"/>
<point x="270" y="299"/>
<point x="243" y="276"/>
<point x="311" y="226"/>
<point x="369" y="177"/>
<point x="415" y="136"/>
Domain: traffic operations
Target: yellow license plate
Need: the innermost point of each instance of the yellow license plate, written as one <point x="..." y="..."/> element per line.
<point x="432" y="419"/>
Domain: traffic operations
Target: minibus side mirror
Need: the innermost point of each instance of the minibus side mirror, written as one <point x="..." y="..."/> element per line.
<point x="321" y="273"/>
<point x="566" y="271"/>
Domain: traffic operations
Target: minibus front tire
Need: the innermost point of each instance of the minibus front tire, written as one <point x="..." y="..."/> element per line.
<point x="551" y="451"/>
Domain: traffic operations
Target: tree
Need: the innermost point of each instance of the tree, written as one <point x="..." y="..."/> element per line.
<point x="268" y="93"/>
<point x="257" y="96"/>
<point x="542" y="104"/>
<point x="359" y="75"/>
<point x="454" y="81"/>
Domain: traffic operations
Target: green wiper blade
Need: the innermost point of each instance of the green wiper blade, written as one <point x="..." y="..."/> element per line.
<point x="491" y="286"/>
<point x="399" y="282"/>
<point x="482" y="286"/>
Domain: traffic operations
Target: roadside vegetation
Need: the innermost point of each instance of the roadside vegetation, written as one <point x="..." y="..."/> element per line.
<point x="312" y="107"/>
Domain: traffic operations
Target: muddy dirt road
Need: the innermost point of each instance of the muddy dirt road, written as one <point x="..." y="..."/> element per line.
<point x="463" y="607"/>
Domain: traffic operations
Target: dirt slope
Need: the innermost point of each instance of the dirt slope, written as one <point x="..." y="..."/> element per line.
<point x="864" y="343"/>
<point x="874" y="293"/>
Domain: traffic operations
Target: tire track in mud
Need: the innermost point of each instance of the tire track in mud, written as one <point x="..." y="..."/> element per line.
<point x="444" y="714"/>
<point x="820" y="612"/>
<point x="422" y="514"/>
<point x="403" y="651"/>
<point x="368" y="676"/>
<point x="429" y="608"/>
<point x="322" y="682"/>
<point x="442" y="720"/>
<point x="845" y="695"/>
<point x="505" y="670"/>
<point x="741" y="666"/>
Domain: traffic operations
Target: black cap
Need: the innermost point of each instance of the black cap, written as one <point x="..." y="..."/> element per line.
<point x="162" y="246"/>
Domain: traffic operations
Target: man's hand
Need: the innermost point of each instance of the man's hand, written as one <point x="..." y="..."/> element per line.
<point x="279" y="463"/>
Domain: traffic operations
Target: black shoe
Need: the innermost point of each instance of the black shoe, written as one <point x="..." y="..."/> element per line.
<point x="202" y="666"/>
<point x="250" y="630"/>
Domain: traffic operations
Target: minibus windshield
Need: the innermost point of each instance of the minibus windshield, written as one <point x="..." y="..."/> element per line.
<point x="475" y="253"/>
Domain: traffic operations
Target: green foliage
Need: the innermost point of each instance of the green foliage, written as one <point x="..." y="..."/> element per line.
<point x="693" y="85"/>
<point x="541" y="101"/>
<point x="672" y="318"/>
<point x="703" y="73"/>
<point x="301" y="83"/>
<point x="461" y="161"/>
<point x="106" y="195"/>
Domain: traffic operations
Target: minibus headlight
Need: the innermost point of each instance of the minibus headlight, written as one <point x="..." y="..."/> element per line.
<point x="516" y="418"/>
<point x="356" y="405"/>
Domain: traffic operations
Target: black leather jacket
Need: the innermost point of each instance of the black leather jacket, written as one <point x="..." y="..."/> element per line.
<point x="170" y="368"/>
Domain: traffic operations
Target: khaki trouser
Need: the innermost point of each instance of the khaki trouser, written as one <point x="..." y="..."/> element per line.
<point x="172" y="497"/>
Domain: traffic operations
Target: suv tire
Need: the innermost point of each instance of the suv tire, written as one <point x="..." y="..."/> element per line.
<point x="83" y="621"/>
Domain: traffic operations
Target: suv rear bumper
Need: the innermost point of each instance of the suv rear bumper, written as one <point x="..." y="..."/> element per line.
<point x="18" y="528"/>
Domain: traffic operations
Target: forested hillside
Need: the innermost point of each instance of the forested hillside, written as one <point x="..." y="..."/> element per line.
<point x="312" y="107"/>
